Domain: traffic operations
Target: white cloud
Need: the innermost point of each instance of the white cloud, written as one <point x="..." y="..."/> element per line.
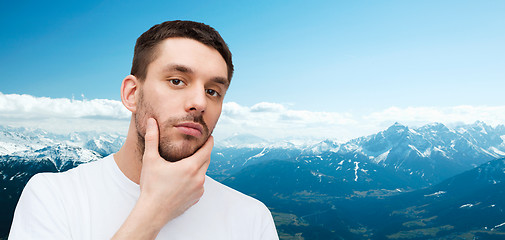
<point x="26" y="107"/>
<point x="273" y="120"/>
<point x="415" y="116"/>
<point x="278" y="121"/>
<point x="267" y="120"/>
<point x="62" y="114"/>
<point x="267" y="107"/>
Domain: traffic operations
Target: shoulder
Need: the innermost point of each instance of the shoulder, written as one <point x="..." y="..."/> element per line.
<point x="224" y="191"/>
<point x="234" y="199"/>
<point x="42" y="209"/>
<point x="52" y="184"/>
<point x="244" y="212"/>
<point x="48" y="201"/>
<point x="89" y="168"/>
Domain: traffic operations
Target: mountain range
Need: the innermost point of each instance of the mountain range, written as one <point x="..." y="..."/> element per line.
<point x="419" y="179"/>
<point x="398" y="157"/>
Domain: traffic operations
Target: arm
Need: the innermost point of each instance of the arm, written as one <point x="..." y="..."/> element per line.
<point x="166" y="189"/>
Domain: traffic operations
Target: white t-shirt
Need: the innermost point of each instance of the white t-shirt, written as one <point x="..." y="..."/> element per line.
<point x="93" y="200"/>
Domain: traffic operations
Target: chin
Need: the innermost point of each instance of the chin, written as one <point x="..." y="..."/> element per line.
<point x="174" y="152"/>
<point x="172" y="158"/>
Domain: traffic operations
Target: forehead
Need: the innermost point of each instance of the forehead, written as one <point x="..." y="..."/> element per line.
<point x="202" y="59"/>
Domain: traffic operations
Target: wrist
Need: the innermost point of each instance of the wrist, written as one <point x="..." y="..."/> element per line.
<point x="152" y="212"/>
<point x="144" y="222"/>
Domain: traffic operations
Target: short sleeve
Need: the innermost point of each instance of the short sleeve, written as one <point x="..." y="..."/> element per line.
<point x="268" y="230"/>
<point x="39" y="213"/>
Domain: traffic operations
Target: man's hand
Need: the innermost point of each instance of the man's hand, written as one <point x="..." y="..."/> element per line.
<point x="167" y="189"/>
<point x="173" y="186"/>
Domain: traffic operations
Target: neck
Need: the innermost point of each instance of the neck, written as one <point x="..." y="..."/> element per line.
<point x="129" y="157"/>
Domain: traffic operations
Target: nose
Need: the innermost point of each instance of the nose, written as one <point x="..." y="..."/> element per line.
<point x="196" y="100"/>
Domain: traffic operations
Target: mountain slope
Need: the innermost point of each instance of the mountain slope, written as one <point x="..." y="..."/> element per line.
<point x="471" y="204"/>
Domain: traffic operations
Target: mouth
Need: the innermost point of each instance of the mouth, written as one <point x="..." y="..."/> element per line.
<point x="190" y="128"/>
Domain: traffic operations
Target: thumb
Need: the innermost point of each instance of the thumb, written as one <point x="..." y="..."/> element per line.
<point x="151" y="138"/>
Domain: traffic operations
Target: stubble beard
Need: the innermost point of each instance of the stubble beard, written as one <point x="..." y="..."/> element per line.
<point x="167" y="148"/>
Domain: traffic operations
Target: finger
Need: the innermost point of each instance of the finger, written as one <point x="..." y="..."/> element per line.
<point x="204" y="167"/>
<point x="151" y="138"/>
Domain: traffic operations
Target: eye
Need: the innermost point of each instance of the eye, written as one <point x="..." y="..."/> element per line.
<point x="176" y="82"/>
<point x="212" y="92"/>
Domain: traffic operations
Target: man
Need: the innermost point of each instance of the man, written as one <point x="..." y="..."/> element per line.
<point x="155" y="185"/>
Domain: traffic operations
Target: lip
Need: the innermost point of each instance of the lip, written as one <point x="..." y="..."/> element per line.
<point x="190" y="128"/>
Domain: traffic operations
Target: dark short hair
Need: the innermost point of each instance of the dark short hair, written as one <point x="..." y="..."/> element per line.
<point x="145" y="48"/>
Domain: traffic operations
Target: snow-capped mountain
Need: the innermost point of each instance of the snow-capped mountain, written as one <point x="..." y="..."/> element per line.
<point x="432" y="152"/>
<point x="25" y="152"/>
<point x="21" y="139"/>
<point x="23" y="142"/>
<point x="419" y="157"/>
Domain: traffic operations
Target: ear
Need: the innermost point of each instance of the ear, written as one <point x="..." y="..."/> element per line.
<point x="129" y="93"/>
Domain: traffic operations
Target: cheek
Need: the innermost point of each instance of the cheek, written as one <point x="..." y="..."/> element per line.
<point x="140" y="121"/>
<point x="212" y="118"/>
<point x="144" y="111"/>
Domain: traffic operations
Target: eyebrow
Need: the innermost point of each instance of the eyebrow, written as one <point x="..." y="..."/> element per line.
<point x="221" y="80"/>
<point x="178" y="68"/>
<point x="188" y="70"/>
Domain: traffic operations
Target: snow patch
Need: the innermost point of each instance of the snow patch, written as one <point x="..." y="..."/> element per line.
<point x="413" y="131"/>
<point x="382" y="157"/>
<point x="435" y="194"/>
<point x="497" y="151"/>
<point x="497" y="226"/>
<point x="356" y="168"/>
<point x="7" y="148"/>
<point x="439" y="149"/>
<point x="427" y="152"/>
<point x="261" y="154"/>
<point x="415" y="149"/>
<point x="462" y="130"/>
<point x="316" y="174"/>
<point x="469" y="205"/>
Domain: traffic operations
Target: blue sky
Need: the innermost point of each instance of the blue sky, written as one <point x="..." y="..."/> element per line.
<point x="353" y="57"/>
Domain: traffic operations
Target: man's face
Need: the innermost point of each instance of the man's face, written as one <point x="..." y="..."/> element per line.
<point x="183" y="90"/>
